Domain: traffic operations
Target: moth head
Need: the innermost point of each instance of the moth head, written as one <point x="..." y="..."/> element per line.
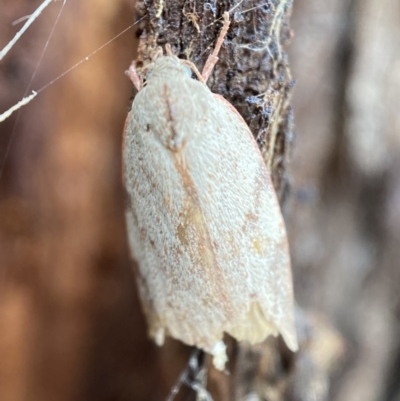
<point x="168" y="65"/>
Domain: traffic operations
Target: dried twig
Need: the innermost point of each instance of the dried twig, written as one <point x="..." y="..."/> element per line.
<point x="24" y="28"/>
<point x="17" y="106"/>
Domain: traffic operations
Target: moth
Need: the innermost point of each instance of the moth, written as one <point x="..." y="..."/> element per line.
<point x="204" y="223"/>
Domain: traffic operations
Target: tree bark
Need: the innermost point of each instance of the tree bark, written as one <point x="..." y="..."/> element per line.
<point x="253" y="74"/>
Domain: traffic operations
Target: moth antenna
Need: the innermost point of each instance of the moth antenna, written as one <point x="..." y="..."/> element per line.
<point x="194" y="69"/>
<point x="213" y="57"/>
<point x="134" y="76"/>
<point x="168" y="50"/>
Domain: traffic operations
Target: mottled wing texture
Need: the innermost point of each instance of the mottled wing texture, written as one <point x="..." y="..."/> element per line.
<point x="204" y="222"/>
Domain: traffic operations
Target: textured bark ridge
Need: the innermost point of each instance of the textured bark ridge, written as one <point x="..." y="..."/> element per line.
<point x="252" y="73"/>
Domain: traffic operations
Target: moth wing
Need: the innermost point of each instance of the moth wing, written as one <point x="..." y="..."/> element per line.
<point x="245" y="226"/>
<point x="168" y="235"/>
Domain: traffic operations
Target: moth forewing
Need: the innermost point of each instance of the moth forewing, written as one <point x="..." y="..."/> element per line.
<point x="245" y="226"/>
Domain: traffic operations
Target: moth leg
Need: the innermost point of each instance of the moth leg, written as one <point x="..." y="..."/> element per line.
<point x="213" y="58"/>
<point x="159" y="52"/>
<point x="168" y="49"/>
<point x="134" y="76"/>
<point x="194" y="69"/>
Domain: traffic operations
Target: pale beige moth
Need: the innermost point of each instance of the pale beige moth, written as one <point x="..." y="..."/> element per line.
<point x="204" y="223"/>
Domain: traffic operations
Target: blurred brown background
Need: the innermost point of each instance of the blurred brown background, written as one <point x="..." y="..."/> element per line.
<point x="71" y="327"/>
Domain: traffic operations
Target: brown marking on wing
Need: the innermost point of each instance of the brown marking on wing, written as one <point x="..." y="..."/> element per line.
<point x="171" y="142"/>
<point x="193" y="219"/>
